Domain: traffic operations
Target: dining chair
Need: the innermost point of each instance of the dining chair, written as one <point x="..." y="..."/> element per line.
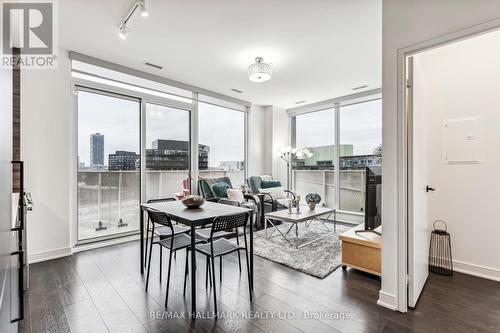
<point x="204" y="234"/>
<point x="220" y="247"/>
<point x="161" y="232"/>
<point x="173" y="243"/>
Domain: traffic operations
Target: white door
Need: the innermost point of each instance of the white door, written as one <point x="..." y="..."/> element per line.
<point x="418" y="186"/>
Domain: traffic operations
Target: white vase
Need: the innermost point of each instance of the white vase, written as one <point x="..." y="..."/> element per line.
<point x="312" y="205"/>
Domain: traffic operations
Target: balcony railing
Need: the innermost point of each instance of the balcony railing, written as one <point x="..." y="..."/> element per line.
<point x="352" y="187"/>
<point x="108" y="201"/>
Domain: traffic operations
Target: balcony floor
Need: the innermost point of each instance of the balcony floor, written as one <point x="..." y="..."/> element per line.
<point x="102" y="290"/>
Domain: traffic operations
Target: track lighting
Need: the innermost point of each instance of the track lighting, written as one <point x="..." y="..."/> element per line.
<point x="123" y="32"/>
<point x="142" y="9"/>
<point x="138" y="4"/>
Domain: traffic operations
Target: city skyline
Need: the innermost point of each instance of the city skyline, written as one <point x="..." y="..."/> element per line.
<point x="119" y="120"/>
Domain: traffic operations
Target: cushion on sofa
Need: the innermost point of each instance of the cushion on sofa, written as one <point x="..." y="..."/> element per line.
<point x="270" y="183"/>
<point x="275" y="192"/>
<point x="205" y="188"/>
<point x="219" y="189"/>
<point x="235" y="195"/>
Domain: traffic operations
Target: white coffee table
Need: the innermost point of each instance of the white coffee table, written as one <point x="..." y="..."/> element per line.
<point x="305" y="216"/>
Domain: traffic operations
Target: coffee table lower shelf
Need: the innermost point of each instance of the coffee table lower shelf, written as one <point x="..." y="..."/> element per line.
<point x="361" y="251"/>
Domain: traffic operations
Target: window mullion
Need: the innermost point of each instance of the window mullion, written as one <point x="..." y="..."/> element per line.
<point x="337" y="155"/>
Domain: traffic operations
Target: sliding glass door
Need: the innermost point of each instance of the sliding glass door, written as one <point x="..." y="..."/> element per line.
<point x="108" y="164"/>
<point x="167" y="151"/>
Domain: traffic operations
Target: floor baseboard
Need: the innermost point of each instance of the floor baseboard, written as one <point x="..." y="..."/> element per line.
<point x="49" y="255"/>
<point x="477" y="270"/>
<point x="387" y="301"/>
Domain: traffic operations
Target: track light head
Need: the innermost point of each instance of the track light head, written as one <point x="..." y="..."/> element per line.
<point x="142" y="9"/>
<point x="123" y="32"/>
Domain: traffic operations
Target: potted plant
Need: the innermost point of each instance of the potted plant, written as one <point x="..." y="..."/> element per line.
<point x="312" y="200"/>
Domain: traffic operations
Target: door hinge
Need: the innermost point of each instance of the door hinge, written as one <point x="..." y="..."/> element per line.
<point x="409" y="279"/>
<point x="408" y="83"/>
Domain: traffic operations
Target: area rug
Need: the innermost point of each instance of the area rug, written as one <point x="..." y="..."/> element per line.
<point x="318" y="259"/>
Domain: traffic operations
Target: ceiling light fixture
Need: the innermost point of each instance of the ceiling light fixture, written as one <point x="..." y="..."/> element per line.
<point x="259" y="71"/>
<point x="142" y="9"/>
<point x="123" y="28"/>
<point x="123" y="32"/>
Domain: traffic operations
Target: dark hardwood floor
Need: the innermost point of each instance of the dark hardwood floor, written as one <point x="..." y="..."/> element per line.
<point x="102" y="291"/>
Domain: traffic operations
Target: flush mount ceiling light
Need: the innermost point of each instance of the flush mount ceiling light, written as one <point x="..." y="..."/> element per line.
<point x="123" y="28"/>
<point x="259" y="71"/>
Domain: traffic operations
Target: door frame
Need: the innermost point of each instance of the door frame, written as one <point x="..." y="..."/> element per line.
<point x="404" y="150"/>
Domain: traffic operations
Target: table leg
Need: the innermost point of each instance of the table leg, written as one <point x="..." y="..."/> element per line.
<point x="193" y="272"/>
<point x="335" y="221"/>
<point x="141" y="227"/>
<point x="251" y="251"/>
<point x="297" y="235"/>
<point x="265" y="227"/>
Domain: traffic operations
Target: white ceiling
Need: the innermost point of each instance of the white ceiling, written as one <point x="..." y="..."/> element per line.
<point x="319" y="49"/>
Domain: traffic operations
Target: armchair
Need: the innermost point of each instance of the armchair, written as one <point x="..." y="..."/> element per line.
<point x="205" y="189"/>
<point x="268" y="202"/>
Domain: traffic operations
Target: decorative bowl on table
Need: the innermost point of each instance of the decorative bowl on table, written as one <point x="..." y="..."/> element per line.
<point x="193" y="201"/>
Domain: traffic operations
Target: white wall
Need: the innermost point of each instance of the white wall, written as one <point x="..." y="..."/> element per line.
<point x="256" y="140"/>
<point x="268" y="140"/>
<point x="280" y="138"/>
<point x="407" y="22"/>
<point x="456" y="81"/>
<point x="45" y="112"/>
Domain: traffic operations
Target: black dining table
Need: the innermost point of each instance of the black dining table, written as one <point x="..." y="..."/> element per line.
<point x="194" y="218"/>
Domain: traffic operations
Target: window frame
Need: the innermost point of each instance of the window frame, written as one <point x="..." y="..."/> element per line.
<point x="336" y="104"/>
<point x="80" y="84"/>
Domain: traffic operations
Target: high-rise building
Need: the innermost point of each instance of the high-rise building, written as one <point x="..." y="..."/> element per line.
<point x="174" y="155"/>
<point x="123" y="160"/>
<point x="96" y="151"/>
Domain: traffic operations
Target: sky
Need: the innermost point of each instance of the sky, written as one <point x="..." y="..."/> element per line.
<point x="118" y="120"/>
<point x="360" y="125"/>
<point x="220" y="128"/>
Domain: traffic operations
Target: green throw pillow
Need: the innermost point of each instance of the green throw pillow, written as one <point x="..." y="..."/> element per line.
<point x="270" y="183"/>
<point x="220" y="189"/>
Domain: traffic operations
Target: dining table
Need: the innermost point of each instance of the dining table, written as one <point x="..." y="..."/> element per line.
<point x="194" y="218"/>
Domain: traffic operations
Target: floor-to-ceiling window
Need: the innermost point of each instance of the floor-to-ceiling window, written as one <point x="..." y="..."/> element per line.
<point x="108" y="164"/>
<point x="361" y="139"/>
<point x="344" y="137"/>
<point x="316" y="132"/>
<point x="221" y="143"/>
